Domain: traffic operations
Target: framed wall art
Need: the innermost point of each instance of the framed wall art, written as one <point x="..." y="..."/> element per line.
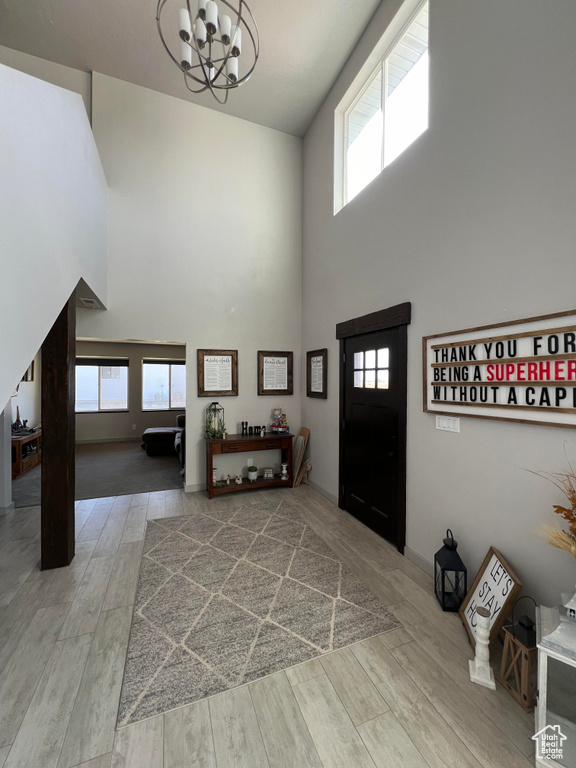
<point x="518" y="370"/>
<point x="29" y="375"/>
<point x="217" y="372"/>
<point x="317" y="373"/>
<point x="275" y="375"/>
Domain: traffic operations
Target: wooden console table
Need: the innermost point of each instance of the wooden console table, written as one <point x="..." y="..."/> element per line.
<point x="240" y="444"/>
<point x="22" y="459"/>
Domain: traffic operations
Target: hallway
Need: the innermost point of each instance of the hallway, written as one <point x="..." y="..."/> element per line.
<point x="399" y="699"/>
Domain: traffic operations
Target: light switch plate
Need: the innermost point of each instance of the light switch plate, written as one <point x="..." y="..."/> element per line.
<point x="448" y="423"/>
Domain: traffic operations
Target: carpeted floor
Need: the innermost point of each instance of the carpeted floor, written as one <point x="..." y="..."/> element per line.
<point x="107" y="469"/>
<point x="233" y="596"/>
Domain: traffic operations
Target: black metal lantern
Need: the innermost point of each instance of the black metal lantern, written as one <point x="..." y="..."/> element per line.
<point x="449" y="575"/>
<point x="215" y="426"/>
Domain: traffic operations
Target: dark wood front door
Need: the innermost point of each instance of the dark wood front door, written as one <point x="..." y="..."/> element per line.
<point x="373" y="436"/>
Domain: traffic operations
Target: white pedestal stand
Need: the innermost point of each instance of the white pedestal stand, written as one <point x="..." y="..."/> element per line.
<point x="480" y="669"/>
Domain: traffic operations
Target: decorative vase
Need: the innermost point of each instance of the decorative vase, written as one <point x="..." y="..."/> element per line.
<point x="252" y="476"/>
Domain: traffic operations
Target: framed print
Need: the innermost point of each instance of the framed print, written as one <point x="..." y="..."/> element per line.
<point x="217" y="372"/>
<point x="275" y="375"/>
<point x="495" y="588"/>
<point x="316" y="373"/>
<point x="29" y="375"/>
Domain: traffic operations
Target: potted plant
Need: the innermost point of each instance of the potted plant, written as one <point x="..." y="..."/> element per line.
<point x="252" y="473"/>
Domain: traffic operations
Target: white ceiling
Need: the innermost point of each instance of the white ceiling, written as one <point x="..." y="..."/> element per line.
<point x="303" y="46"/>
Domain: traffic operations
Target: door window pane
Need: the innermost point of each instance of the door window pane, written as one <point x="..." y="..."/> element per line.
<point x="358" y="359"/>
<point x="155" y="387"/>
<point x="358" y="378"/>
<point x="113" y="388"/>
<point x="370" y="358"/>
<point x="383" y="379"/>
<point x="370" y="379"/>
<point x="384" y="358"/>
<point x="86" y="387"/>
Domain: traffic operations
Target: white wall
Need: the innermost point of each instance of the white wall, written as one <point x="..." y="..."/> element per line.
<point x="474" y="224"/>
<point x="204" y="241"/>
<point x="57" y="74"/>
<point x="52" y="214"/>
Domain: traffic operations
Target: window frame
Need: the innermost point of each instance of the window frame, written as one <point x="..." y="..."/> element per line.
<point x="169" y="362"/>
<point x="99" y="363"/>
<point x="395" y="30"/>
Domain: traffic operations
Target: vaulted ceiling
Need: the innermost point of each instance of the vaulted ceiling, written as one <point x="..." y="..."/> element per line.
<point x="303" y="46"/>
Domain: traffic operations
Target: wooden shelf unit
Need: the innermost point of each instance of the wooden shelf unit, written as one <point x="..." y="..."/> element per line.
<point x="241" y="444"/>
<point x="21" y="462"/>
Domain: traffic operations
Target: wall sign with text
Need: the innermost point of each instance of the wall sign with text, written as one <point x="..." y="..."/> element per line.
<point x="495" y="588"/>
<point x="522" y="370"/>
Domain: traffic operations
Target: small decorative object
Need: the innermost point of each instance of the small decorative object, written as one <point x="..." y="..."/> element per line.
<point x="495" y="587"/>
<point x="298" y="454"/>
<point x="256" y="430"/>
<point x="244" y="428"/>
<point x="275" y="373"/>
<point x="238" y="480"/>
<point x="519" y="661"/>
<point x="262" y="431"/>
<point x="228" y="478"/>
<point x="214" y="480"/>
<point x="215" y="426"/>
<point x="480" y="669"/>
<point x="252" y="473"/>
<point x="568" y="602"/>
<point x="316" y="373"/>
<point x="280" y="423"/>
<point x="268" y="473"/>
<point x="284" y="475"/>
<point x="449" y="575"/>
<point x="217" y="372"/>
<point x="250" y="430"/>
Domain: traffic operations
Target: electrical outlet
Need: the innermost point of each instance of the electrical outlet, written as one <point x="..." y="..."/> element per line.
<point x="250" y="462"/>
<point x="134" y="427"/>
<point x="448" y="423"/>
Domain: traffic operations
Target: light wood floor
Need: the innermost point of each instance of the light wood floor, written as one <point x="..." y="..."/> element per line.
<point x="401" y="700"/>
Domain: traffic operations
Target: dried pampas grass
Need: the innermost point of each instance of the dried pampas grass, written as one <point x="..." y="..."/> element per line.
<point x="559" y="539"/>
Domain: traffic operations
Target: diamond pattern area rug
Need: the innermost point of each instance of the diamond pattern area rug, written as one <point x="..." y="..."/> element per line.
<point x="231" y="596"/>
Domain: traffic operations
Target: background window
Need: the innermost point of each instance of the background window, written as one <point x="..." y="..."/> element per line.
<point x="101" y="387"/>
<point x="163" y="385"/>
<point x="390" y="110"/>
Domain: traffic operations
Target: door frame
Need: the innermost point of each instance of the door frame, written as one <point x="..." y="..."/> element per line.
<point x="398" y="316"/>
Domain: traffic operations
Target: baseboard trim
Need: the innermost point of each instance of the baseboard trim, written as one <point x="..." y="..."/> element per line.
<point x="418" y="560"/>
<point x="195" y="488"/>
<point x="333" y="499"/>
<point x="110" y="440"/>
<point x="5" y="510"/>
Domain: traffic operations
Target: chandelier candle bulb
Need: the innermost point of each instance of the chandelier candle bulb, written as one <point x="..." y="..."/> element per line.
<point x="185" y="55"/>
<point x="202" y="8"/>
<point x="185" y="25"/>
<point x="232" y="69"/>
<point x="236" y="41"/>
<point x="200" y="32"/>
<point x="211" y="17"/>
<point x="225" y="29"/>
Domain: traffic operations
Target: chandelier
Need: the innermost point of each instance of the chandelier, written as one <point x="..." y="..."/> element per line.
<point x="215" y="51"/>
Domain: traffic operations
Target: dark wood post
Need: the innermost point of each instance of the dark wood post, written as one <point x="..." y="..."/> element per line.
<point x="58" y="440"/>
